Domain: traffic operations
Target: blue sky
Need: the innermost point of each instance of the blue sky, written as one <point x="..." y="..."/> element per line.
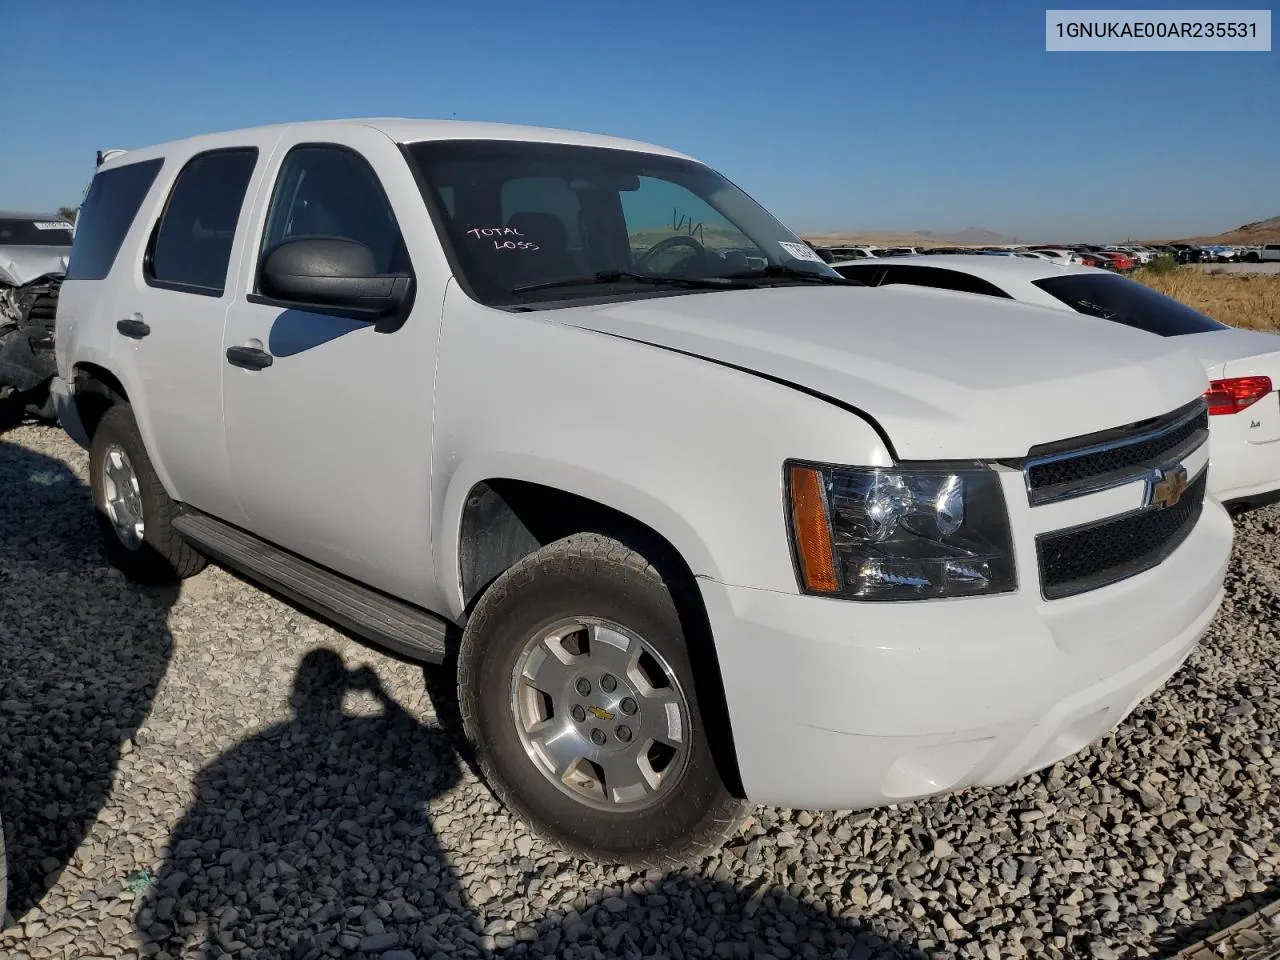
<point x="834" y="115"/>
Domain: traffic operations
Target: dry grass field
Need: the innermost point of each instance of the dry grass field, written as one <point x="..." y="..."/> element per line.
<point x="1242" y="300"/>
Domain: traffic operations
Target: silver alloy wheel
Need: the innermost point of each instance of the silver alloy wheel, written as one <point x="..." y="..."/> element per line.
<point x="123" y="496"/>
<point x="601" y="714"/>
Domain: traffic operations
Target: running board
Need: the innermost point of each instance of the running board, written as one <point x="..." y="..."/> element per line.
<point x="402" y="627"/>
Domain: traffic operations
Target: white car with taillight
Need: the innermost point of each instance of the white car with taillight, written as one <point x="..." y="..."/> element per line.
<point x="698" y="522"/>
<point x="1243" y="365"/>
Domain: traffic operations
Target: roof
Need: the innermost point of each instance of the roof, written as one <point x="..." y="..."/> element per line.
<point x="411" y="130"/>
<point x="986" y="267"/>
<point x="27" y="215"/>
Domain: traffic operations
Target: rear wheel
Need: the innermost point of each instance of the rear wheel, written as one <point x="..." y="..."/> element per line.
<point x="578" y="693"/>
<point x="133" y="510"/>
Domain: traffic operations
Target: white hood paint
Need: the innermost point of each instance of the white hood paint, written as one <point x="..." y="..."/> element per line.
<point x="22" y="264"/>
<point x="948" y="376"/>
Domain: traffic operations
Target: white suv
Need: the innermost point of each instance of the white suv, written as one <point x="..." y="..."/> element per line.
<point x="692" y="533"/>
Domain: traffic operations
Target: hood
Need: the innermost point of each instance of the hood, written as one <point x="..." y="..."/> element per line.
<point x="22" y="264"/>
<point x="946" y="375"/>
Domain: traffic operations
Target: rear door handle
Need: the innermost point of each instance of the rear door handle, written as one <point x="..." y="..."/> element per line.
<point x="249" y="358"/>
<point x="133" y="328"/>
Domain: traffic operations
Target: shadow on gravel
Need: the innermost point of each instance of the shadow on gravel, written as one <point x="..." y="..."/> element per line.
<point x="312" y="836"/>
<point x="313" y="839"/>
<point x="81" y="654"/>
<point x="686" y="914"/>
<point x="1171" y="942"/>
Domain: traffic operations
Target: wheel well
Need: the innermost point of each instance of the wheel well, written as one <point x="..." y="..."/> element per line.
<point x="96" y="390"/>
<point x="505" y="520"/>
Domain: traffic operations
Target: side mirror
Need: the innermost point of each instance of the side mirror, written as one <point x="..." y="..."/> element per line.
<point x="332" y="272"/>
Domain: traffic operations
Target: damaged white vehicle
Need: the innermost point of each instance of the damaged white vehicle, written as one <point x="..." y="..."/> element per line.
<point x="34" y="248"/>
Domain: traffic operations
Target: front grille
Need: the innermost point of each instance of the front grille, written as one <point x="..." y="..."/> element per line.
<point x="1085" y="465"/>
<point x="40" y="301"/>
<point x="1085" y="558"/>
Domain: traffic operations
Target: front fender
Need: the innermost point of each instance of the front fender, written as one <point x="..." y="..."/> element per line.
<point x="692" y="449"/>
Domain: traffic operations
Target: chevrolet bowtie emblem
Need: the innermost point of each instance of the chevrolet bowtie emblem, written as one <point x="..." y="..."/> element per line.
<point x="1167" y="486"/>
<point x="600" y="714"/>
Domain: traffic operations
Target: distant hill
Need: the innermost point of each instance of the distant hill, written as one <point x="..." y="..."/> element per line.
<point x="969" y="237"/>
<point x="1260" y="231"/>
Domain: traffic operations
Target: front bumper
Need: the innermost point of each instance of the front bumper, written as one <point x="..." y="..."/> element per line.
<point x="844" y="705"/>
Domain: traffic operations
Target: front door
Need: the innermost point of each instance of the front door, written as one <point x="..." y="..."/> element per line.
<point x="328" y="421"/>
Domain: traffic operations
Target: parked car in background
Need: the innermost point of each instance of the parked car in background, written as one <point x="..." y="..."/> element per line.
<point x="1089" y="259"/>
<point x="1243" y="366"/>
<point x="1058" y="254"/>
<point x="1262" y="253"/>
<point x="34" y="248"/>
<point x="1122" y="261"/>
<point x="707" y="535"/>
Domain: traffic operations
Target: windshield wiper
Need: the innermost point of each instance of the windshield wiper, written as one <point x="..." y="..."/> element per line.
<point x="783" y="272"/>
<point x="613" y="276"/>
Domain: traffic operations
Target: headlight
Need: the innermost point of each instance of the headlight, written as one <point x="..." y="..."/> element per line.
<point x="902" y="533"/>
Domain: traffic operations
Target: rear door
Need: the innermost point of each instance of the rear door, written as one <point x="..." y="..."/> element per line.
<point x="170" y="308"/>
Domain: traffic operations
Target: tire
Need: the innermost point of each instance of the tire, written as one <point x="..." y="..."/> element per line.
<point x="159" y="555"/>
<point x="581" y="577"/>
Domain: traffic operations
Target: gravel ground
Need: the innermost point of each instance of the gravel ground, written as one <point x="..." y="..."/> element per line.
<point x="209" y="772"/>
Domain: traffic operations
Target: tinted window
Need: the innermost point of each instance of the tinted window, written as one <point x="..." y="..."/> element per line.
<point x="330" y="191"/>
<point x="941" y="279"/>
<point x="524" y="215"/>
<point x="35" y="233"/>
<point x="106" y="215"/>
<point x="192" y="245"/>
<point x="1129" y="302"/>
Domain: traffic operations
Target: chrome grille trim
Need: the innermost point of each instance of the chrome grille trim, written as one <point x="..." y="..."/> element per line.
<point x="1139" y="470"/>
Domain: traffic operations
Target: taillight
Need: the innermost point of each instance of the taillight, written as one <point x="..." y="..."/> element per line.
<point x="1235" y="393"/>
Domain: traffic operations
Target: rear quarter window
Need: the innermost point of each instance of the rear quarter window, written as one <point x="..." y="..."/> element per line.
<point x="106" y="215"/>
<point x="1126" y="301"/>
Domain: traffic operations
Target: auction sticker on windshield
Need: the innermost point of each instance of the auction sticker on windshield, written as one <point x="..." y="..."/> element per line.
<point x="800" y="251"/>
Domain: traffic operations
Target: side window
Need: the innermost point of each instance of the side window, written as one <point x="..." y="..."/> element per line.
<point x="192" y="243"/>
<point x="106" y="215"/>
<point x="942" y="279"/>
<point x="326" y="190"/>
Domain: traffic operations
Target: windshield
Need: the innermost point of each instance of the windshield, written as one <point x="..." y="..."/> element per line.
<point x="35" y="233"/>
<point x="1129" y="302"/>
<point x="518" y="216"/>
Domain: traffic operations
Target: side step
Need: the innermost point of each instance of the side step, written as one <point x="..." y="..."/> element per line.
<point x="402" y="627"/>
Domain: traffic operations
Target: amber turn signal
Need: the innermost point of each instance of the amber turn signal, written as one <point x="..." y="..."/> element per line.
<point x="812" y="530"/>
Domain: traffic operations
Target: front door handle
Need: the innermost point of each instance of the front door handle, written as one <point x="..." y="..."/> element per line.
<point x="133" y="328"/>
<point x="249" y="358"/>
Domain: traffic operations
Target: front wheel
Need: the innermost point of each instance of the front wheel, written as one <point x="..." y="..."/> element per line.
<point x="577" y="690"/>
